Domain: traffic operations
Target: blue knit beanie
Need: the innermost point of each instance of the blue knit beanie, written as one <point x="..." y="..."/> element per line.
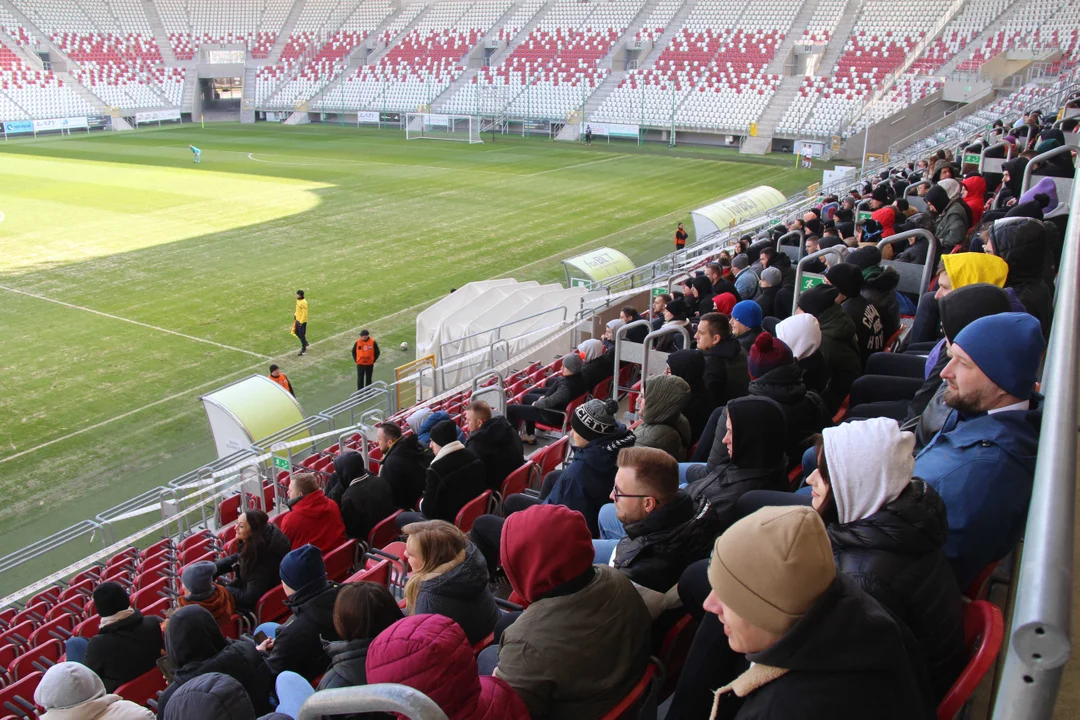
<point x="748" y="313"/>
<point x="1007" y="347"/>
<point x="302" y="567"/>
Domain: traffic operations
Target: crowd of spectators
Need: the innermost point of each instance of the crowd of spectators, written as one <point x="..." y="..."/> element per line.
<point x="815" y="494"/>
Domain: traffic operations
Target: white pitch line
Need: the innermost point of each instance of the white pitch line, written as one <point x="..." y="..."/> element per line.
<point x="571" y="167"/>
<point x="133" y="322"/>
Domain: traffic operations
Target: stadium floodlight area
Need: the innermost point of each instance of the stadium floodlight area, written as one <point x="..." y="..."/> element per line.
<point x="433" y="126"/>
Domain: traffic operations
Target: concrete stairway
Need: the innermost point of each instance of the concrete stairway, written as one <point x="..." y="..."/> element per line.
<point x="44" y="42"/>
<point x="100" y="107"/>
<point x="792" y="36"/>
<point x="977" y="42"/>
<point x="673" y="26"/>
<point x="520" y="37"/>
<point x="351" y="60"/>
<point x="839" y="38"/>
<point x="24" y="53"/>
<point x="286" y="31"/>
<point x="463" y="81"/>
<point x="603" y="91"/>
<point x="191" y="87"/>
<point x="160" y="35"/>
<point x="772" y="115"/>
<point x="247" y="98"/>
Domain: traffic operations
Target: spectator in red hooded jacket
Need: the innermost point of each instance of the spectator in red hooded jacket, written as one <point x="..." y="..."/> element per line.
<point x="313" y="518"/>
<point x="974" y="195"/>
<point x="883" y="212"/>
<point x="430" y="653"/>
<point x="583" y="641"/>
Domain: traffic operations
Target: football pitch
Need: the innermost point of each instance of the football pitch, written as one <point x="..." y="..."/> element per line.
<point x="134" y="280"/>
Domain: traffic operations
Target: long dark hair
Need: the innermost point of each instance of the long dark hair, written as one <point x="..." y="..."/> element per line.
<point x="363" y="610"/>
<point x="257" y="520"/>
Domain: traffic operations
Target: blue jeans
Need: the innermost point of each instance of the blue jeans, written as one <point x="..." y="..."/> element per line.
<point x="610" y="526"/>
<point x="292" y="690"/>
<point x="488" y="660"/>
<point x="682" y="472"/>
<point x="604" y="550"/>
<point x="76" y="649"/>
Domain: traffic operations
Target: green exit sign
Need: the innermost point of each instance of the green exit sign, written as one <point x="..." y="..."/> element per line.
<point x="863" y="215"/>
<point x="971" y="159"/>
<point x="657" y="291"/>
<point x="810" y="280"/>
<point x="281" y="463"/>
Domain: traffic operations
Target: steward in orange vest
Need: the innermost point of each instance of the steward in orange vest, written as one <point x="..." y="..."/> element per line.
<point x="365" y="353"/>
<point x="279" y="377"/>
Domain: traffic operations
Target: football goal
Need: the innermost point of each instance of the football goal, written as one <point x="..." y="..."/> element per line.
<point x="431" y="126"/>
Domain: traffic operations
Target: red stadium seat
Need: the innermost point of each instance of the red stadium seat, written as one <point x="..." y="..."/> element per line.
<point x="38" y="659"/>
<point x="59" y="629"/>
<point x="384" y="532"/>
<point x="516" y="482"/>
<point x="143" y="688"/>
<point x="379" y="572"/>
<point x="984" y="630"/>
<point x="339" y="561"/>
<point x="21" y="694"/>
<point x="271" y="606"/>
<point x="152" y="592"/>
<point x="472" y="510"/>
<point x="634" y="698"/>
<point x="88" y="628"/>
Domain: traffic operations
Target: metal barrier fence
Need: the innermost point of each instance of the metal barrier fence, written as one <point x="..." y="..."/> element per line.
<point x="1039" y="643"/>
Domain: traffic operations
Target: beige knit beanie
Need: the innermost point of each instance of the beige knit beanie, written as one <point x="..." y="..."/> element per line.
<point x="771" y="566"/>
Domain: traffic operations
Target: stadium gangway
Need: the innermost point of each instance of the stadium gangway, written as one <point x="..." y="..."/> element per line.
<point x="1038" y="643"/>
<point x="1064" y="185"/>
<point x="383" y="697"/>
<point x="643" y="353"/>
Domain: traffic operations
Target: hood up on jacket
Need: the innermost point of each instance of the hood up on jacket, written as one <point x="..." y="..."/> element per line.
<point x="430" y="653"/>
<point x="880" y="279"/>
<point x="870" y="463"/>
<point x="971" y="267"/>
<point x="690" y="366"/>
<point x="591" y="349"/>
<point x="913" y="523"/>
<point x="758" y="432"/>
<point x="348" y="466"/>
<point x="976" y="196"/>
<point x="193" y="636"/>
<point x="1020" y="242"/>
<point x="665" y="398"/>
<point x="213" y="696"/>
<point x="784" y="384"/>
<point x="1015" y="168"/>
<point x="801" y="333"/>
<point x="544" y="547"/>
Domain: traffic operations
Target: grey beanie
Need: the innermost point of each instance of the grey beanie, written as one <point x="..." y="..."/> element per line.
<point x="740" y="262"/>
<point x="66" y="685"/>
<point x="572" y="362"/>
<point x="198" y="578"/>
<point x="771" y="277"/>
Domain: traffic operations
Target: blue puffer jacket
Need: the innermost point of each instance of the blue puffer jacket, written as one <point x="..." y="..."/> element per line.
<point x="424" y="436"/>
<point x="983" y="469"/>
<point x="586" y="482"/>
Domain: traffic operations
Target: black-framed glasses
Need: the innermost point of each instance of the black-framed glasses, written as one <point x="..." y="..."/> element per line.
<point x="617" y="494"/>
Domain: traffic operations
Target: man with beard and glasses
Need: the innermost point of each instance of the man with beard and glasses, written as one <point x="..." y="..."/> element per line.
<point x="982" y="461"/>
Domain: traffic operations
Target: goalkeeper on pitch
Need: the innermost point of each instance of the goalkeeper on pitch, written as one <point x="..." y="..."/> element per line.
<point x="197" y="153"/>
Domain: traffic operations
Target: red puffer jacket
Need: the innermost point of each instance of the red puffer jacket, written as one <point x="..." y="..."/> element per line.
<point x="430" y="653"/>
<point x="315" y="519"/>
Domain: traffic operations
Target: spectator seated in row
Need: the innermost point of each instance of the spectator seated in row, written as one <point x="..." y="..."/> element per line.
<point x="725" y="374"/>
<point x="404" y="464"/>
<point x="771" y="283"/>
<point x="714" y="271"/>
<point x="805" y="641"/>
<point x="869" y="334"/>
<point x="628" y="315"/>
<point x="1021" y="242"/>
<point x="423" y="420"/>
<point x="71" y="691"/>
<point x="195" y="646"/>
<point x="495" y="442"/>
<point x="261" y="545"/>
<point x="746" y="280"/>
<point x="676" y="313"/>
<point x="361" y="611"/>
<point x="448" y="576"/>
<point x="215" y="696"/>
<point x="690" y="365"/>
<point x="879" y="287"/>
<point x="364" y="499"/>
<point x="583" y="641"/>
<point x="548" y="406"/>
<point x="982" y="462"/>
<point x="455" y="477"/>
<point x="313" y="518"/>
<point x="839" y="347"/>
<point x="953" y="272"/>
<point x="746" y="319"/>
<point x="199" y="588"/>
<point x="430" y="653"/>
<point x="802" y="334"/>
<point x="660" y="408"/>
<point x="126" y="645"/>
<point x="298" y="645"/>
<point x="598" y="362"/>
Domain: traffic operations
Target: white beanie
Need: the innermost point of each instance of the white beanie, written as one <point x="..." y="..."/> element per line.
<point x="615" y="324"/>
<point x="591" y="349"/>
<point x="66" y="685"/>
<point x="417" y="419"/>
<point x="801" y="333"/>
<point x="870" y="464"/>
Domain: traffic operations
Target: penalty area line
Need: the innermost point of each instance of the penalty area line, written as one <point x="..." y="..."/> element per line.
<point x="134" y="322"/>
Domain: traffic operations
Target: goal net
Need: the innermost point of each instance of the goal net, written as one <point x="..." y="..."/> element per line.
<point x="431" y="126"/>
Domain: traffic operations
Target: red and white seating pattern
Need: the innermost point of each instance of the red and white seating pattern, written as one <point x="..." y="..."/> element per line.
<point x="35" y="93"/>
<point x="254" y="24"/>
<point x="823" y="21"/>
<point x="968" y="24"/>
<point x="879" y="43"/>
<point x="11" y="27"/>
<point x="422" y="64"/>
<point x="517" y="22"/>
<point x="656" y="22"/>
<point x="1025" y="28"/>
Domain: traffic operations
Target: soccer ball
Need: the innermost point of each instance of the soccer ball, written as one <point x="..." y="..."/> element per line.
<point x="404" y="346"/>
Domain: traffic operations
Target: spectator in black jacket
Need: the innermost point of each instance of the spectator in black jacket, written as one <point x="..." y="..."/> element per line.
<point x="652" y="511"/>
<point x="548" y="406"/>
<point x="214" y="696"/>
<point x="261" y="547"/>
<point x="879" y="288"/>
<point x="725" y="374"/>
<point x="455" y="477"/>
<point x="720" y="285"/>
<point x="362" y="611"/>
<point x="196" y="647"/>
<point x="404" y="464"/>
<point x="598" y="357"/>
<point x="690" y="366"/>
<point x="771" y="280"/>
<point x="628" y="315"/>
<point x="364" y="499"/>
<point x="310" y="597"/>
<point x="497" y="445"/>
<point x="126" y="645"/>
<point x="848" y="281"/>
<point x="888" y="533"/>
<point x="1021" y="242"/>
<point x="838" y="342"/>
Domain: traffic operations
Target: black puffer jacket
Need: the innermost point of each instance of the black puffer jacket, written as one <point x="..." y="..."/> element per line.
<point x="453" y="480"/>
<point x="462" y="594"/>
<point x="880" y="290"/>
<point x="405" y="468"/>
<point x="896" y="555"/>
<point x="365" y="499"/>
<point x="560" y="390"/>
<point x="815" y="372"/>
<point x="348" y="660"/>
<point x="256" y="576"/>
<point x="298" y="644"/>
<point x="125" y="649"/>
<point x="725" y="376"/>
<point x="196" y="647"/>
<point x="599" y="369"/>
<point x="659" y="547"/>
<point x="1021" y="242"/>
<point x="759" y="438"/>
<point x="499" y="447"/>
<point x="804" y="411"/>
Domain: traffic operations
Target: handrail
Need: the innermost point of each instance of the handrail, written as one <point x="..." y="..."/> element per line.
<point x="834" y="251"/>
<point x="383" y="697"/>
<point x="648" y="345"/>
<point x="1042" y="158"/>
<point x="1039" y="643"/>
<point x="931" y="253"/>
<point x="620" y="339"/>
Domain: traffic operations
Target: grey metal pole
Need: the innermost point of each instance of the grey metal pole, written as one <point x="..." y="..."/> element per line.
<point x="385" y="697"/>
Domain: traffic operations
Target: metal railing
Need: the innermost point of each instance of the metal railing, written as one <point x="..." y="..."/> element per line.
<point x="1041" y="623"/>
<point x="384" y="697"/>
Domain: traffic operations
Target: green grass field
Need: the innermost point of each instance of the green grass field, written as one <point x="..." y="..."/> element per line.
<point x="134" y="280"/>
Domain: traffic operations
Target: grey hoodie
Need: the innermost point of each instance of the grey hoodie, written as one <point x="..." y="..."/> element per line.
<point x="664" y="426"/>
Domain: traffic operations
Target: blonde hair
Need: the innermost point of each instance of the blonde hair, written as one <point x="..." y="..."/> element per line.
<point x="442" y="548"/>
